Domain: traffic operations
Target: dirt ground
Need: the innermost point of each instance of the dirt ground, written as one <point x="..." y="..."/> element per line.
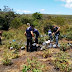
<point x="18" y="63"/>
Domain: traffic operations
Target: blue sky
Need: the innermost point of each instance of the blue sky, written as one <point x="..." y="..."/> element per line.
<point x="42" y="6"/>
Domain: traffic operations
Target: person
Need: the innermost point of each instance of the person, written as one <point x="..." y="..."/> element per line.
<point x="50" y="35"/>
<point x="56" y="32"/>
<point x="36" y="35"/>
<point x="29" y="34"/>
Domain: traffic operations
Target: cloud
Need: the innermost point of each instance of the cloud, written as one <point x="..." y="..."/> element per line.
<point x="68" y="3"/>
<point x="42" y="10"/>
<point x="23" y="11"/>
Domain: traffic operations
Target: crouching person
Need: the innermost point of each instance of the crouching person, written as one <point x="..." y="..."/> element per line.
<point x="56" y="32"/>
<point x="36" y="35"/>
<point x="50" y="35"/>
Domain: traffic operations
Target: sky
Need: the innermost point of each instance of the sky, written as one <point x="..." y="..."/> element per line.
<point x="43" y="6"/>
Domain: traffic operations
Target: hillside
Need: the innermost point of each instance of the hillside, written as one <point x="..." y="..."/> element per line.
<point x="13" y="59"/>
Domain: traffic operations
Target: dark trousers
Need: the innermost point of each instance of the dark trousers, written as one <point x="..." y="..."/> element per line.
<point x="36" y="40"/>
<point x="29" y="43"/>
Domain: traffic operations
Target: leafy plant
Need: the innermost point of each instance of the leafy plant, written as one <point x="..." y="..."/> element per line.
<point x="6" y="60"/>
<point x="63" y="47"/>
<point x="47" y="54"/>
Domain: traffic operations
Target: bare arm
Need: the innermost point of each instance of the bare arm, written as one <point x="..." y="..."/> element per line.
<point x="25" y="33"/>
<point x="32" y="33"/>
<point x="58" y="29"/>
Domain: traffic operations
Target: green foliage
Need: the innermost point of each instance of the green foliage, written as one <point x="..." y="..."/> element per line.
<point x="6" y="60"/>
<point x="32" y="65"/>
<point x="61" y="62"/>
<point x="36" y="70"/>
<point x="35" y="22"/>
<point x="69" y="36"/>
<point x="47" y="26"/>
<point x="41" y="40"/>
<point x="26" y="19"/>
<point x="7" y="35"/>
<point x="59" y="20"/>
<point x="63" y="47"/>
<point x="37" y="15"/>
<point x="16" y="23"/>
<point x="47" y="54"/>
<point x="25" y="68"/>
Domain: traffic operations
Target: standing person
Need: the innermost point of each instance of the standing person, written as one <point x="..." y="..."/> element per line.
<point x="29" y="34"/>
<point x="56" y="32"/>
<point x="36" y="35"/>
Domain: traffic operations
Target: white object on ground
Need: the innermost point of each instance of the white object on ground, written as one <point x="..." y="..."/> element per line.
<point x="34" y="44"/>
<point x="54" y="45"/>
<point x="47" y="41"/>
<point x="22" y="47"/>
<point x="11" y="48"/>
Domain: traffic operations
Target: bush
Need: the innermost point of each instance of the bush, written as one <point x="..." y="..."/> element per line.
<point x="41" y="40"/>
<point x="37" y="15"/>
<point x="6" y="60"/>
<point x="7" y="35"/>
<point x="16" y="23"/>
<point x="47" y="54"/>
<point x="69" y="36"/>
<point x="63" y="47"/>
<point x="61" y="62"/>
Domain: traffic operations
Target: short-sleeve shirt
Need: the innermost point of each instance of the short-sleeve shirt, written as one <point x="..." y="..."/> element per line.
<point x="55" y="29"/>
<point x="36" y="32"/>
<point x="28" y="31"/>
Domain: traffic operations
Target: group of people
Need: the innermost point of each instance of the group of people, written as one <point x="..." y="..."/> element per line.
<point x="31" y="31"/>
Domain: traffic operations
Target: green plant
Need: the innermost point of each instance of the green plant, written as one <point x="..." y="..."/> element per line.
<point x="36" y="70"/>
<point x="47" y="54"/>
<point x="69" y="36"/>
<point x="41" y="40"/>
<point x="6" y="60"/>
<point x="37" y="15"/>
<point x="61" y="62"/>
<point x="33" y="65"/>
<point x="25" y="68"/>
<point x="63" y="47"/>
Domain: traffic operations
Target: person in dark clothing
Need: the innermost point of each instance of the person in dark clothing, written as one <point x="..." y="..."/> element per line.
<point x="56" y="32"/>
<point x="36" y="35"/>
<point x="29" y="34"/>
<point x="50" y="35"/>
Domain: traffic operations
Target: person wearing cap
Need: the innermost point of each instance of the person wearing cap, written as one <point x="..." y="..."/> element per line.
<point x="29" y="34"/>
<point x="36" y="35"/>
<point x="56" y="32"/>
